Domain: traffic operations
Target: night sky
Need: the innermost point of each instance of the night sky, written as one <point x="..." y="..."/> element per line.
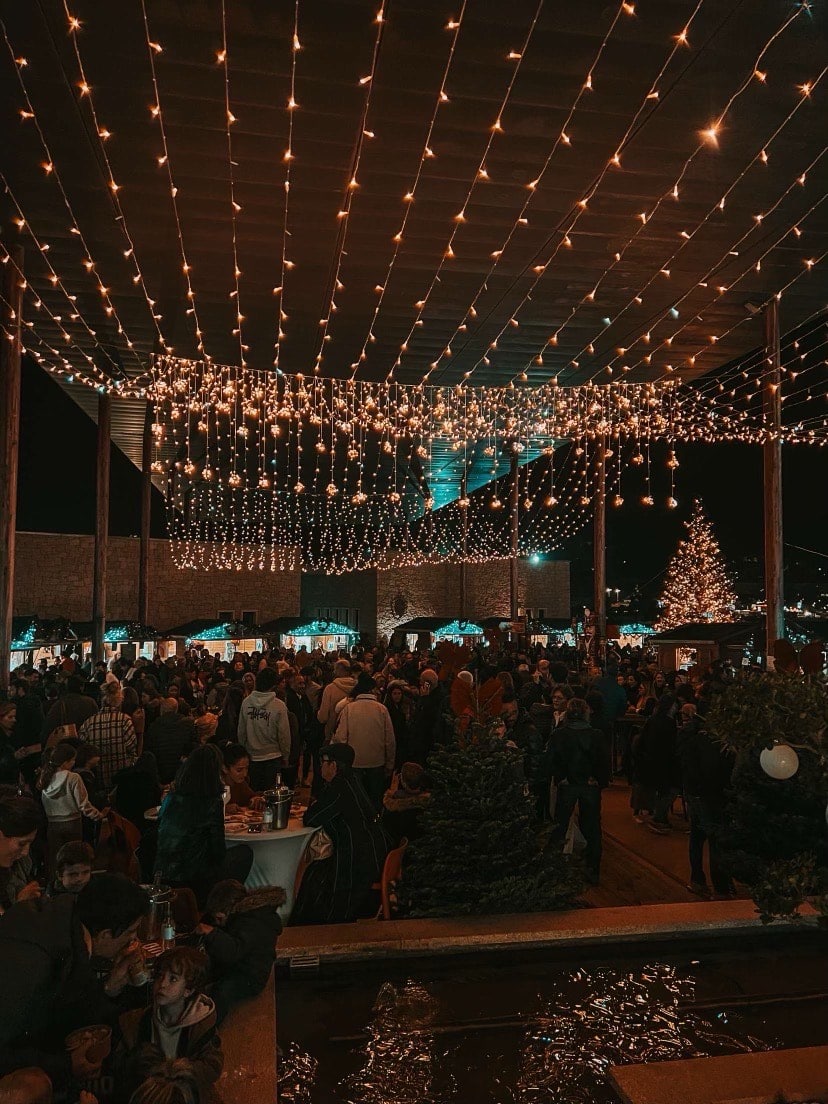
<point x="57" y="494"/>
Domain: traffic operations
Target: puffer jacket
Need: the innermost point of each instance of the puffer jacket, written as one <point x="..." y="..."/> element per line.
<point x="190" y="838"/>
<point x="246" y="945"/>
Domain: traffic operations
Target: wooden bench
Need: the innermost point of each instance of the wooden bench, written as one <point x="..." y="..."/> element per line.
<point x="248" y="1038"/>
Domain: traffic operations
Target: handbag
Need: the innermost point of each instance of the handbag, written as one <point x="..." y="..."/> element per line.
<point x="64" y="731"/>
<point x="320" y="846"/>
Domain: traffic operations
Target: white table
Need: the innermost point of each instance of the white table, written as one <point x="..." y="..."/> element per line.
<point x="276" y="858"/>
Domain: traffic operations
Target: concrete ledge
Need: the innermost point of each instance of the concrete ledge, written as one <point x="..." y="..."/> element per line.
<point x="373" y="939"/>
<point x="248" y="1038"/>
<point x="758" y="1078"/>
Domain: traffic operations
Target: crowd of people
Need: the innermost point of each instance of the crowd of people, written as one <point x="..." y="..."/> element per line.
<point x="86" y="753"/>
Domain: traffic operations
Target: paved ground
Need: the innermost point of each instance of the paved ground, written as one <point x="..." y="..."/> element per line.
<point x="639" y="867"/>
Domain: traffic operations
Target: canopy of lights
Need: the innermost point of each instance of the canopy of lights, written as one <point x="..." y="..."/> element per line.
<point x="358" y="286"/>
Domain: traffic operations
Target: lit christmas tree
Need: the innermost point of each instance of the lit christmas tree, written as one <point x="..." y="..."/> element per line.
<point x="697" y="587"/>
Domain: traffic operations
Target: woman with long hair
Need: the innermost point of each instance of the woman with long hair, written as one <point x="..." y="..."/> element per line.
<point x="65" y="800"/>
<point x="228" y="723"/>
<point x="191" y="848"/>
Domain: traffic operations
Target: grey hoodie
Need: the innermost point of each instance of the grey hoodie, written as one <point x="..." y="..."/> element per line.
<point x="264" y="727"/>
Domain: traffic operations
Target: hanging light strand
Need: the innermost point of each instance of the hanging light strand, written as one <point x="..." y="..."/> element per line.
<point x="287" y="160"/>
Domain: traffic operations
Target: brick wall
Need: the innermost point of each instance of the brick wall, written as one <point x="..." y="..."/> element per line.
<point x="434" y="591"/>
<point x="53" y="578"/>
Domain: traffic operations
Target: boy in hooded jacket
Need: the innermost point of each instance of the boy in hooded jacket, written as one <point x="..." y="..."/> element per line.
<point x="179" y="1023"/>
<point x="241" y="942"/>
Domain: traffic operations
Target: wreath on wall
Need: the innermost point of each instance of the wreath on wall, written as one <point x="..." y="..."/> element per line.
<point x="399" y="605"/>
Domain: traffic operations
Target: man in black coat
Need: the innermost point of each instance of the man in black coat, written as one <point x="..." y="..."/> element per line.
<point x="579" y="762"/>
<point x="169" y="739"/>
<point x="48" y="976"/>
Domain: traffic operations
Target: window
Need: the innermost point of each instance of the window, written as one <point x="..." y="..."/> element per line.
<point x="355" y="619"/>
<point x="226" y="615"/>
<point x="528" y="615"/>
<point x="541" y="615"/>
<point x="248" y="617"/>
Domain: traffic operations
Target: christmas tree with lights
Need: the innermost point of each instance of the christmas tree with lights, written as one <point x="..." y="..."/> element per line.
<point x="697" y="587"/>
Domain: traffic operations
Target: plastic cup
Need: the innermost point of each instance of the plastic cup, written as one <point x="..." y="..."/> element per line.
<point x="95" y="1040"/>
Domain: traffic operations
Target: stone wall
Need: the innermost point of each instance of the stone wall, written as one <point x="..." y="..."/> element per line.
<point x="53" y="578"/>
<point x="434" y="591"/>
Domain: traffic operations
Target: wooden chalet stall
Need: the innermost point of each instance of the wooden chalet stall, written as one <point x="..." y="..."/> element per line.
<point x="309" y="633"/>
<point x="425" y="632"/>
<point x="34" y="640"/>
<point x="222" y="637"/>
<point x="127" y="639"/>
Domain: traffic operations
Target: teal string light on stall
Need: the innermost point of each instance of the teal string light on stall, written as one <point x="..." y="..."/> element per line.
<point x="636" y="629"/>
<point x="26" y="640"/>
<point x="459" y="628"/>
<point x="215" y="632"/>
<point x="323" y="628"/>
<point x="117" y="634"/>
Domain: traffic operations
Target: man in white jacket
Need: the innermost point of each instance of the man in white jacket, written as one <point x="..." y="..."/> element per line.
<point x="334" y="693"/>
<point x="366" y="725"/>
<point x="264" y="730"/>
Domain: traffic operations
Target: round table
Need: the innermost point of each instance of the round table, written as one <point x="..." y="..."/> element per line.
<point x="276" y="857"/>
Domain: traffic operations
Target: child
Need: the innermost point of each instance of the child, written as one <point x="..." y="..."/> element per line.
<point x="241" y="943"/>
<point x="64" y="798"/>
<point x="73" y="868"/>
<point x="181" y="1023"/>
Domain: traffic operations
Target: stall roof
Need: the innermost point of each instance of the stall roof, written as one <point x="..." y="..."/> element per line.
<point x="799" y="630"/>
<point x="118" y="632"/>
<point x="306" y="626"/>
<point x="30" y="631"/>
<point x="206" y="628"/>
<point x="439" y="624"/>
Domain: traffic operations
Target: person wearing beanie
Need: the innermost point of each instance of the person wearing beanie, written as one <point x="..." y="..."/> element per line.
<point x="365" y="724"/>
<point x="340" y="888"/>
<point x="428" y="723"/>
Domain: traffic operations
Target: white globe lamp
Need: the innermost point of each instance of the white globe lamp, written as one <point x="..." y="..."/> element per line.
<point x="780" y="761"/>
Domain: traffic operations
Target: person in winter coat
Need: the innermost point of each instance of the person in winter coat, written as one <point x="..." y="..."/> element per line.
<point x="579" y="763"/>
<point x="65" y="800"/>
<point x="404" y="803"/>
<point x="20" y="819"/>
<point x="264" y="729"/>
<point x="191" y="849"/>
<point x="524" y="734"/>
<point x="334" y="693"/>
<point x="72" y="708"/>
<point x="399" y="710"/>
<point x="705" y="769"/>
<point x="338" y="888"/>
<point x="180" y="1023"/>
<point x="49" y="982"/>
<point x="241" y="941"/>
<point x="112" y="733"/>
<point x="655" y="766"/>
<point x="170" y="739"/>
<point x="137" y="789"/>
<point x="427" y="724"/>
<point x="365" y="724"/>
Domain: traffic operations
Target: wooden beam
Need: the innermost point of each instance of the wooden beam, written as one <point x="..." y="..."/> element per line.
<point x="514" y="533"/>
<point x="599" y="555"/>
<point x="772" y="456"/>
<point x="146" y="517"/>
<point x="101" y="527"/>
<point x="10" y="353"/>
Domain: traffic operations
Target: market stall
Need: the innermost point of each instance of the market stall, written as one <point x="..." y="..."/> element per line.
<point x="425" y="632"/>
<point x="34" y="640"/>
<point x="128" y="640"/>
<point x="222" y="638"/>
<point x="309" y="633"/>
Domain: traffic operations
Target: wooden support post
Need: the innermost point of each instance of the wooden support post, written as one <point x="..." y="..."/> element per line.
<point x="101" y="528"/>
<point x="146" y="517"/>
<point x="772" y="450"/>
<point x="600" y="555"/>
<point x="10" y="353"/>
<point x="513" y="557"/>
<point x="465" y="546"/>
